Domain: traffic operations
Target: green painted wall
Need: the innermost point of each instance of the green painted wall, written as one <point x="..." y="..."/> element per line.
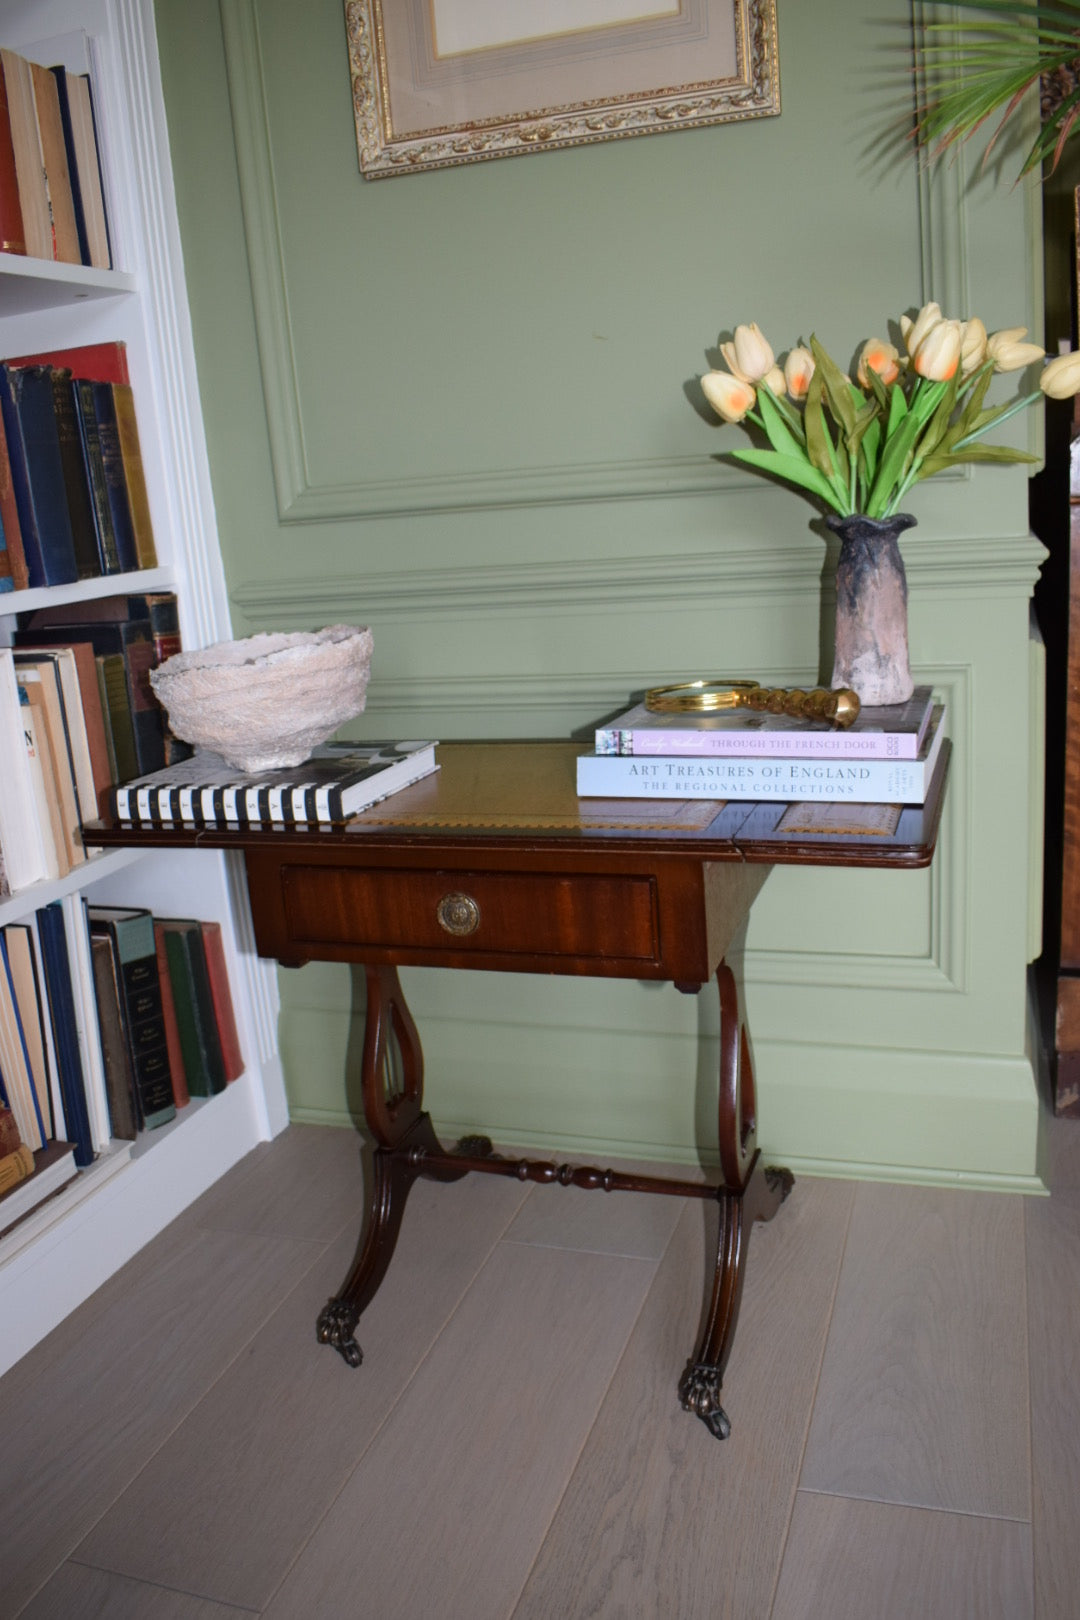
<point x="452" y="406"/>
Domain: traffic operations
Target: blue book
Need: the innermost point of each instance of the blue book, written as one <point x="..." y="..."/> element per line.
<point x="115" y="477"/>
<point x="61" y="998"/>
<point x="37" y="474"/>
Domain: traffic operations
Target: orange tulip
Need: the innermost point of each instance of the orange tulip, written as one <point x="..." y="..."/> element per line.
<point x="879" y="356"/>
<point x="915" y="330"/>
<point x="798" y="370"/>
<point x="730" y="397"/>
<point x="938" y="355"/>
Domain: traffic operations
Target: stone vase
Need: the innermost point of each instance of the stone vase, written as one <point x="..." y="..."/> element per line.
<point x="871" y="648"/>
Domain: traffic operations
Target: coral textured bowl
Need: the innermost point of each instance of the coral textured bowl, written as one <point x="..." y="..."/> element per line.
<point x="269" y="700"/>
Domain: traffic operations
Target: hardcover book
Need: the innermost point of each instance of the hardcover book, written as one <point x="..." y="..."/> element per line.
<point x="338" y="780"/>
<point x="895" y="732"/>
<point x="21" y="834"/>
<point x="858" y="781"/>
<point x="37" y="474"/>
<point x="30" y="1001"/>
<point x="65" y="235"/>
<point x="65" y="1033"/>
<point x="26" y="149"/>
<point x="200" y="1043"/>
<point x="130" y="933"/>
<point x="221" y="995"/>
<point x="12" y="235"/>
<point x="115" y="1052"/>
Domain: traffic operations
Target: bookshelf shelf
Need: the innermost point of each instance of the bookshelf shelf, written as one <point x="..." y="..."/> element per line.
<point x="30" y="285"/>
<point x="67" y="1246"/>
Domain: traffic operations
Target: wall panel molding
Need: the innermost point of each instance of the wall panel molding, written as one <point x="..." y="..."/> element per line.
<point x="732" y="572"/>
<point x="943" y="255"/>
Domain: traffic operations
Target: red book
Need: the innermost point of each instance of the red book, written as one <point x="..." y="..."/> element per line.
<point x="9" y="1132"/>
<point x="93" y="362"/>
<point x="12" y="235"/>
<point x="181" y="1095"/>
<point x="221" y="995"/>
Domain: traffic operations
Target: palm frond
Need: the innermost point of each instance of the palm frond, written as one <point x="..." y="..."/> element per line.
<point x="973" y="70"/>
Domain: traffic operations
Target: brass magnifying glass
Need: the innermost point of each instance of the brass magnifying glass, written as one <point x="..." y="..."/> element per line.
<point x="838" y="706"/>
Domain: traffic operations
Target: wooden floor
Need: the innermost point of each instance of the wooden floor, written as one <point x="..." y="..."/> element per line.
<point x="904" y="1390"/>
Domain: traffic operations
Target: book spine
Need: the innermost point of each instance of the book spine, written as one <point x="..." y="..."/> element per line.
<point x="199" y="1040"/>
<point x="15" y="1167"/>
<point x="12" y="235"/>
<point x="130" y="450"/>
<point x="101" y="404"/>
<point x="76" y="487"/>
<point x="60" y="76"/>
<point x="65" y="235"/>
<point x="9" y="1131"/>
<point x="221" y="996"/>
<point x="181" y="1094"/>
<point x="9" y="517"/>
<point x="644" y="743"/>
<point x="857" y="781"/>
<point x="108" y="556"/>
<point x="26" y="148"/>
<point x="37" y="475"/>
<point x="119" y="1076"/>
<point x="61" y="1001"/>
<point x="132" y="939"/>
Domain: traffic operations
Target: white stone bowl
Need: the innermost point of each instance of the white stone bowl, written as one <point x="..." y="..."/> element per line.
<point x="266" y="701"/>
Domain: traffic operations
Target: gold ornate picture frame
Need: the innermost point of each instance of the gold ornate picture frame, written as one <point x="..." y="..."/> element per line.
<point x="438" y="83"/>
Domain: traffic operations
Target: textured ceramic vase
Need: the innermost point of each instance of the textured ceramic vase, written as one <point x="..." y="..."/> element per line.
<point x="871" y="648"/>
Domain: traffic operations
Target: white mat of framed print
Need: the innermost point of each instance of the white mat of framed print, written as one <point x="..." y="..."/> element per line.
<point x="443" y="82"/>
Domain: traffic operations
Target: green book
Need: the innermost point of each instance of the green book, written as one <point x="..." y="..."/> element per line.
<point x="200" y="1043"/>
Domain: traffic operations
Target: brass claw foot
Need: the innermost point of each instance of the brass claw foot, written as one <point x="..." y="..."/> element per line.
<point x="699" y="1392"/>
<point x="336" y="1326"/>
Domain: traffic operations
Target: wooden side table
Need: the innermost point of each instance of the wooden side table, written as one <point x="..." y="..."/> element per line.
<point x="494" y="863"/>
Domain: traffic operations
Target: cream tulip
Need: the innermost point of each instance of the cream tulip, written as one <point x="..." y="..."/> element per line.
<point x="776" y="381"/>
<point x="1061" y="376"/>
<point x="1007" y="351"/>
<point x="938" y="355"/>
<point x="754" y="358"/>
<point x="972" y="346"/>
<point x="881" y="357"/>
<point x="731" y="360"/>
<point x="730" y="397"/>
<point x="915" y="330"/>
<point x="798" y="370"/>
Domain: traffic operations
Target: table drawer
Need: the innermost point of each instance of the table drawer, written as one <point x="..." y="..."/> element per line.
<point x="514" y="914"/>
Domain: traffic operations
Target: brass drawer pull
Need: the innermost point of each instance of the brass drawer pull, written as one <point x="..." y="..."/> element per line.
<point x="458" y="913"/>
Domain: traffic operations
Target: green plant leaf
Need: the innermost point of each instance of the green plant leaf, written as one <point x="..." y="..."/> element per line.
<point x="1000" y="453"/>
<point x="819" y="446"/>
<point x="793" y="471"/>
<point x="837" y="386"/>
<point x="892" y="465"/>
<point x="780" y="435"/>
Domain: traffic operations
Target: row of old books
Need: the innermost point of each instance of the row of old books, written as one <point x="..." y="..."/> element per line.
<point x="111" y="1019"/>
<point x="73" y="498"/>
<point x="77" y="716"/>
<point x="888" y="755"/>
<point x="52" y="196"/>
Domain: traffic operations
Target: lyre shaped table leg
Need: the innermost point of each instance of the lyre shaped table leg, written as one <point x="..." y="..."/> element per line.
<point x="393" y="1089"/>
<point x="750" y="1192"/>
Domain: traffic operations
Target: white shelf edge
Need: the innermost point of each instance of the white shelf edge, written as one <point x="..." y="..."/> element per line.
<point x="139" y="583"/>
<point x="27" y="284"/>
<point x="98" y="866"/>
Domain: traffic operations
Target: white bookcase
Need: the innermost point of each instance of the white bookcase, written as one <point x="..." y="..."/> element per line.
<point x="67" y="1247"/>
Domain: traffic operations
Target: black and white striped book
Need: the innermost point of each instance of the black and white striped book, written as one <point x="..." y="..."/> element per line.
<point x="340" y="779"/>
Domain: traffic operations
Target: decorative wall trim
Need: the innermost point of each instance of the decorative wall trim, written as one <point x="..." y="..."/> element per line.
<point x="744" y="573"/>
<point x="300" y="500"/>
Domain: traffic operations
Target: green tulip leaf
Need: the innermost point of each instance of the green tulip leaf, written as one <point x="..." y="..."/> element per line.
<point x="780" y="435"/>
<point x="793" y="470"/>
<point x="837" y="385"/>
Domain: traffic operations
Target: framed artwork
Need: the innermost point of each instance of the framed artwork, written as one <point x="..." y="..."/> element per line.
<point x="442" y="82"/>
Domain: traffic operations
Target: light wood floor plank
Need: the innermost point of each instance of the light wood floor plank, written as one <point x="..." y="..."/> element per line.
<point x="605" y="1223"/>
<point x="923" y="1395"/>
<point x="78" y="1433"/>
<point x="77" y="1593"/>
<point x="448" y="1507"/>
<point x="309" y="1186"/>
<point x="857" y="1560"/>
<point x="661" y="1519"/>
<point x="1053" y="1255"/>
<point x="229" y="1501"/>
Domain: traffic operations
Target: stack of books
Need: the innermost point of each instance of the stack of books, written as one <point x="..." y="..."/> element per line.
<point x="111" y="1019"/>
<point x="73" y="496"/>
<point x="887" y="756"/>
<point x="52" y="197"/>
<point x="77" y="716"/>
